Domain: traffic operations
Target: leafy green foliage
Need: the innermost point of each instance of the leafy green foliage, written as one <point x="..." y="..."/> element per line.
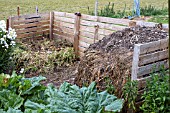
<point x="156" y="97"/>
<point x="152" y="11"/>
<point x="19" y="94"/>
<point x="109" y="11"/>
<point x="130" y="91"/>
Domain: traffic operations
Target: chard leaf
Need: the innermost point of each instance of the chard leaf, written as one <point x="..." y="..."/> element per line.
<point x="10" y="99"/>
<point x="34" y="106"/>
<point x="115" y="106"/>
<point x="32" y="84"/>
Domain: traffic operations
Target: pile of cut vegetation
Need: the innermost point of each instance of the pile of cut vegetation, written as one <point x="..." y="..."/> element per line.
<point x="43" y="56"/>
<point x="109" y="61"/>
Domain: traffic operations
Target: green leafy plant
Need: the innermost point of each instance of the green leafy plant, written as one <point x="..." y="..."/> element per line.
<point x="109" y="11"/>
<point x="152" y="11"/>
<point x="130" y="91"/>
<point x="156" y="97"/>
<point x="19" y="94"/>
<point x="7" y="42"/>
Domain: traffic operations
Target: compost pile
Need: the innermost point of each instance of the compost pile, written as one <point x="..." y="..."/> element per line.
<point x="109" y="61"/>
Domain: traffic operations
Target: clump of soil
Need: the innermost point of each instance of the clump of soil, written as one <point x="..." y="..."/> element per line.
<point x="109" y="61"/>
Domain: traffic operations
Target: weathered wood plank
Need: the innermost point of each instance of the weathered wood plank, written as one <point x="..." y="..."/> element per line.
<point x="17" y="22"/>
<point x="64" y="19"/>
<point x="87" y="29"/>
<point x="87" y="34"/>
<point x="59" y="24"/>
<point x="31" y="25"/>
<point x="27" y="16"/>
<point x="64" y="29"/>
<point x="51" y="24"/>
<point x="102" y="25"/>
<point x="86" y="39"/>
<point x="89" y="17"/>
<point x="76" y="33"/>
<point x="114" y="21"/>
<point x="150" y="58"/>
<point x="66" y="34"/>
<point x="152" y="46"/>
<point x="63" y="14"/>
<point x="135" y="62"/>
<point x="143" y="70"/>
<point x="62" y="37"/>
<point x="33" y="34"/>
<point x="25" y="30"/>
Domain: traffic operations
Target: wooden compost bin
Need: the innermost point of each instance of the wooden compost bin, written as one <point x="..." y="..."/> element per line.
<point x="83" y="30"/>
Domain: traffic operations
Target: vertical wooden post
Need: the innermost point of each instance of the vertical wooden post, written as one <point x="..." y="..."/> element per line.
<point x="51" y="24"/>
<point x="7" y="24"/>
<point x="96" y="33"/>
<point x="10" y="22"/>
<point x="76" y="32"/>
<point x="18" y="12"/>
<point x="135" y="61"/>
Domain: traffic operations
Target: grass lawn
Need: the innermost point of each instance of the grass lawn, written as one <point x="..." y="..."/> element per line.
<point x="9" y="7"/>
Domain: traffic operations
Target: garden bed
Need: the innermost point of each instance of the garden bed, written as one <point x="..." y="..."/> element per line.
<point x="54" y="59"/>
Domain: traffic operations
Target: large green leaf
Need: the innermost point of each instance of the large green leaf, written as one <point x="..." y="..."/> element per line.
<point x="10" y="99"/>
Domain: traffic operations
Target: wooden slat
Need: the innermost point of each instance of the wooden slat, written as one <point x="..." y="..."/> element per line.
<point x="87" y="29"/>
<point x="114" y="20"/>
<point x="87" y="40"/>
<point x="84" y="44"/>
<point x="16" y="22"/>
<point x="64" y="29"/>
<point x="63" y="33"/>
<point x="23" y="17"/>
<point x="89" y="17"/>
<point x="59" y="14"/>
<point x="152" y="46"/>
<point x="32" y="24"/>
<point x="149" y="58"/>
<point x="102" y="25"/>
<point x="70" y="15"/>
<point x="59" y="23"/>
<point x="142" y="82"/>
<point x="21" y="31"/>
<point x="143" y="70"/>
<point x="63" y="37"/>
<point x="33" y="34"/>
<point x="87" y="34"/>
<point x="64" y="19"/>
<point x="105" y="32"/>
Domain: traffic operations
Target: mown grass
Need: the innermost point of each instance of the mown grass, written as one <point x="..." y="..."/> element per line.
<point x="9" y="7"/>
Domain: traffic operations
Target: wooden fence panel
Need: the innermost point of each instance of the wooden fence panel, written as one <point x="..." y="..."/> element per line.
<point x="147" y="58"/>
<point x="31" y="25"/>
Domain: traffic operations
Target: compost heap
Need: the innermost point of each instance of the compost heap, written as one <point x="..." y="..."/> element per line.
<point x="109" y="61"/>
